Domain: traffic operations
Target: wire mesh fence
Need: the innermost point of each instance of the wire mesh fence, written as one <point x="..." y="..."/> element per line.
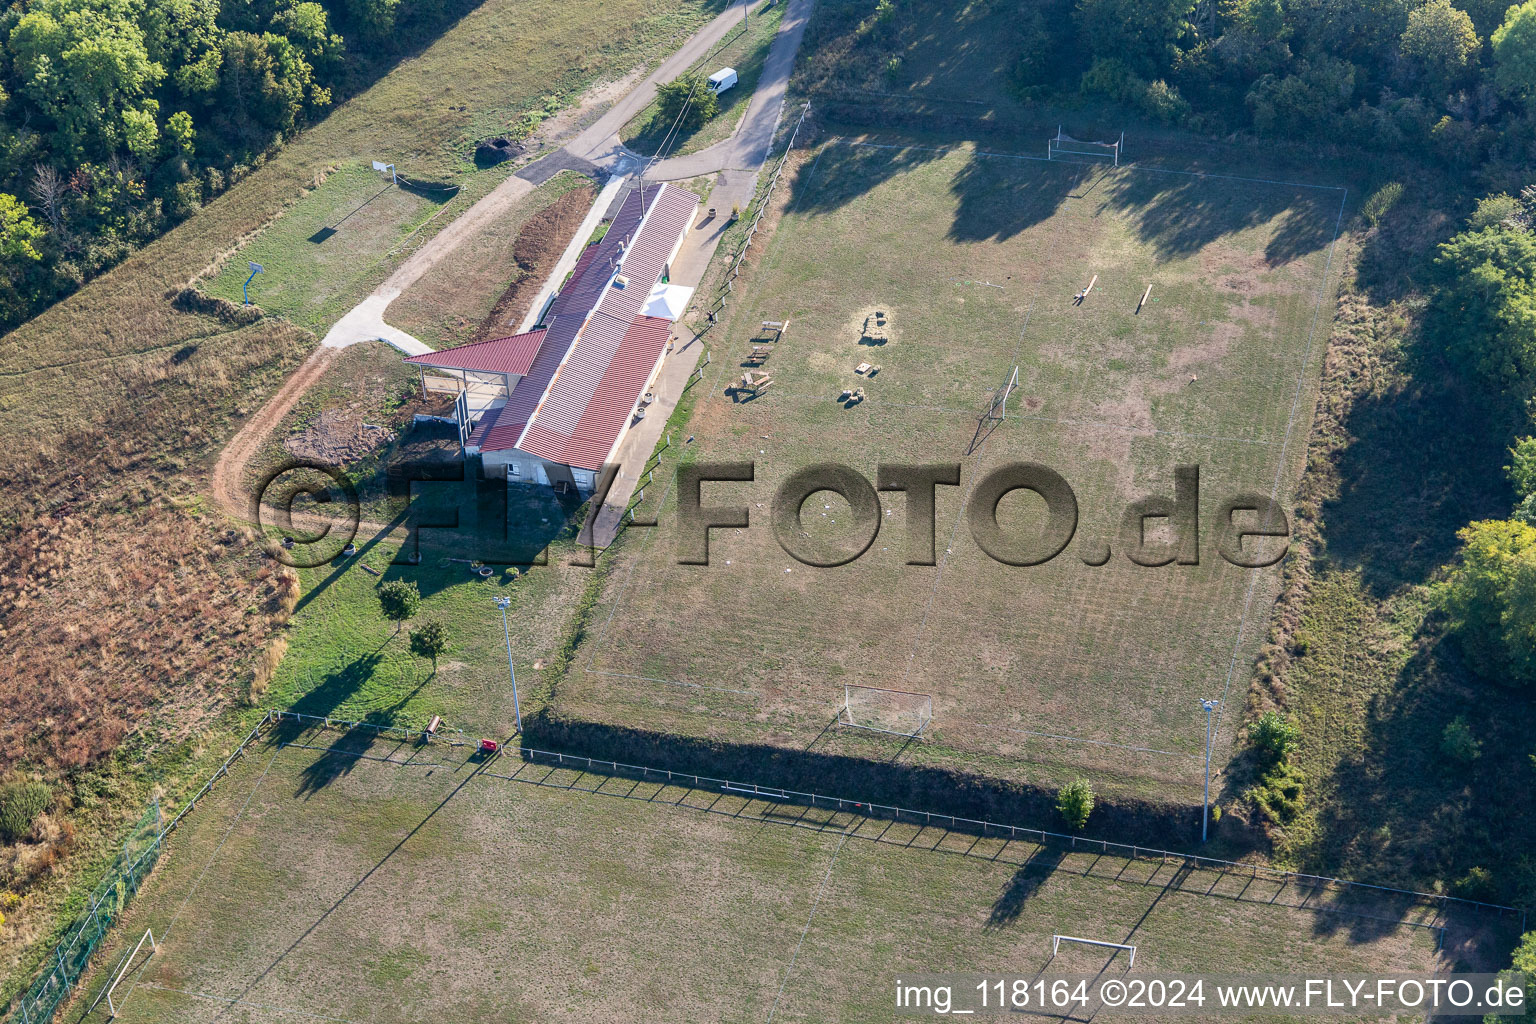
<point x="145" y="842"/>
<point x="137" y="858"/>
<point x="133" y="863"/>
<point x="728" y="285"/>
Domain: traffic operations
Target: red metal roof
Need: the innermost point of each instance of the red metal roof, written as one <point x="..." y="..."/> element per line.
<point x="586" y="443"/>
<point x="514" y="354"/>
<point x="582" y="387"/>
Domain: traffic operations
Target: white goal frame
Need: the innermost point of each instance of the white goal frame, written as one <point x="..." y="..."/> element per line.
<point x="1057" y="940"/>
<point x="923" y="709"/>
<point x="153" y="949"/>
<point x="1065" y="145"/>
<point x="998" y="409"/>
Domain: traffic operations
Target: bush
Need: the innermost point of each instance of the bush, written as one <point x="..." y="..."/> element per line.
<point x="1273" y="738"/>
<point x="430" y="639"/>
<point x="1381" y="201"/>
<point x="1495" y="211"/>
<point x="21" y="802"/>
<point x="1075" y="803"/>
<point x="399" y="599"/>
<point x="1458" y="744"/>
<point x="1111" y="78"/>
<point x="1489" y="599"/>
<point x="1476" y="884"/>
<point x="1279" y="795"/>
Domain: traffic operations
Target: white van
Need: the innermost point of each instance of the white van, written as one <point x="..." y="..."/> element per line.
<point x="722" y="80"/>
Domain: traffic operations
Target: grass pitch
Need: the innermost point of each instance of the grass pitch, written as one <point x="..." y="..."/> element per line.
<point x="373" y="882"/>
<point x="974" y="260"/>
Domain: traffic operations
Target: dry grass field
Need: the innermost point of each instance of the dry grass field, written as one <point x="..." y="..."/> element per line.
<point x="114" y="402"/>
<point x="974" y="260"/>
<point x="353" y="880"/>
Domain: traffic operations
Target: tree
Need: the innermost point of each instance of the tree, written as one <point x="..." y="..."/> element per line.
<point x="1142" y="33"/>
<point x="1440" y="43"/>
<point x="141" y="133"/>
<point x="266" y="84"/>
<point x="373" y="19"/>
<point x="1484" y="310"/>
<point x="307" y="26"/>
<point x="1305" y="102"/>
<point x="1514" y="52"/>
<point x="686" y="102"/>
<point x="84" y="63"/>
<point x="1489" y="599"/>
<point x="1272" y="737"/>
<point x="1457" y="742"/>
<point x="1524" y="962"/>
<point x="1522" y="467"/>
<point x="429" y="640"/>
<point x="1074" y="802"/>
<point x="398" y="600"/>
<point x="18" y="231"/>
<point x="183" y="36"/>
<point x="180" y="133"/>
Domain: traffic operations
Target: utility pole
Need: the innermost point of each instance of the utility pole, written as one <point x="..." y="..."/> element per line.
<point x="1205" y="811"/>
<point x="502" y="603"/>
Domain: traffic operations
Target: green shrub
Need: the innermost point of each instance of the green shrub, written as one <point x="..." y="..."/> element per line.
<point x="1272" y="738"/>
<point x="21" y="801"/>
<point x="1522" y="467"/>
<point x="1381" y="202"/>
<point x="1075" y="803"/>
<point x="1280" y="795"/>
<point x="1458" y="744"/>
<point x="1476" y="884"/>
<point x="686" y="102"/>
<point x="1494" y="211"/>
<point x="1162" y="101"/>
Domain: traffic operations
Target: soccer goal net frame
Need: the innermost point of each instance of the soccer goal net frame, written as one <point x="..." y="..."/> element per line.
<point x="877" y="709"/>
<point x="1065" y="145"/>
<point x="997" y="408"/>
<point x="1057" y="940"/>
<point x="148" y="936"/>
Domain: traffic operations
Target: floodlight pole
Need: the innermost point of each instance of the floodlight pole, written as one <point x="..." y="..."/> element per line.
<point x="245" y="289"/>
<point x="502" y="603"/>
<point x="1205" y="810"/>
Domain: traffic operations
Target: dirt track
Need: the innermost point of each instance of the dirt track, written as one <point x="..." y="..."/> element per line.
<point x="229" y="472"/>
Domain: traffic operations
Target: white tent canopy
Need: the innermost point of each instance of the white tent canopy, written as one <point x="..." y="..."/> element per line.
<point x="668" y="301"/>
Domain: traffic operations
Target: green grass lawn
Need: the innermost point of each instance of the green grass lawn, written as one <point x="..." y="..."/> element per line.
<point x="412" y="883"/>
<point x="974" y="260"/>
<point x="325" y="252"/>
<point x="746" y="51"/>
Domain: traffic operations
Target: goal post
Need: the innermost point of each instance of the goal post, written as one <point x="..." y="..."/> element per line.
<point x="148" y="936"/>
<point x="1057" y="940"/>
<point x="1065" y="146"/>
<point x="876" y="709"/>
<point x="997" y="408"/>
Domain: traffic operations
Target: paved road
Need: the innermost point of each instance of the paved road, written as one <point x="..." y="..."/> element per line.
<point x="595" y="147"/>
<point x="747" y="150"/>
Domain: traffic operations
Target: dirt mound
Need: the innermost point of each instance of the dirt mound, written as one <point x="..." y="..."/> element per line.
<point x="338" y="437"/>
<point x="537" y="249"/>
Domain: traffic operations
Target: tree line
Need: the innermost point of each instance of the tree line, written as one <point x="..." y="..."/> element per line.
<point x="119" y="118"/>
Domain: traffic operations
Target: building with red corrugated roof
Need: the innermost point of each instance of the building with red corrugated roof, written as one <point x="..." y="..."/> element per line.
<point x="553" y="404"/>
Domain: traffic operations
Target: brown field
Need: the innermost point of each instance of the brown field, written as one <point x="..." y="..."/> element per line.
<point x="974" y="258"/>
<point x="408" y="883"/>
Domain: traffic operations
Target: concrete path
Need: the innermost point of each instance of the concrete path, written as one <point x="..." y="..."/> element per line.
<point x="595" y="147"/>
